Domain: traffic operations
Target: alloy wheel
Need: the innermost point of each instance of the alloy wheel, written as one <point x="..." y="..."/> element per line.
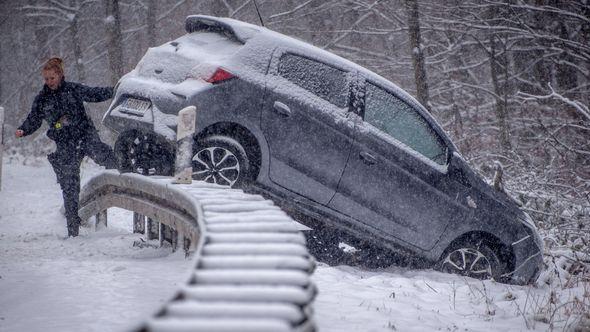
<point x="216" y="165"/>
<point x="468" y="262"/>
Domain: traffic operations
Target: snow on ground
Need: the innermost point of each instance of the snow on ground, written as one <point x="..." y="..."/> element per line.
<point x="100" y="282"/>
<point x="419" y="300"/>
<point x="96" y="282"/>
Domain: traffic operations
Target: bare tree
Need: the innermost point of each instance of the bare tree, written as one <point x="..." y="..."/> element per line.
<point x="77" y="45"/>
<point x="487" y="66"/>
<point x="114" y="39"/>
<point x="54" y="17"/>
<point x="498" y="67"/>
<point x="151" y="22"/>
<point x="416" y="52"/>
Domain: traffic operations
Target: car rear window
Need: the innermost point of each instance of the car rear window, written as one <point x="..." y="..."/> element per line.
<point x="316" y="77"/>
<point x="401" y="121"/>
<point x="173" y="61"/>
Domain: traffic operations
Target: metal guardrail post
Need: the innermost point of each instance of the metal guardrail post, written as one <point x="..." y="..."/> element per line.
<point x="152" y="229"/>
<point x="101" y="220"/>
<point x="183" y="170"/>
<point x="161" y="233"/>
<point x="166" y="234"/>
<point x="174" y="240"/>
<point x="138" y="223"/>
<point x="1" y="141"/>
<point x="161" y="230"/>
<point x="187" y="245"/>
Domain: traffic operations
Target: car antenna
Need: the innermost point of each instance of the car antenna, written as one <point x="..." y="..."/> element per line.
<point x="258" y="12"/>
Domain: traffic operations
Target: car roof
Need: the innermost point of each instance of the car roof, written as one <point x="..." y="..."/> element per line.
<point x="243" y="32"/>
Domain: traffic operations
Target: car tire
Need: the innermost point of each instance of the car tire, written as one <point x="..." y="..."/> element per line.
<point x="142" y="154"/>
<point x="475" y="259"/>
<point x="221" y="160"/>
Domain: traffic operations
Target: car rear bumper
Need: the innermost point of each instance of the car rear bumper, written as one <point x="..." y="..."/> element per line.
<point x="165" y="102"/>
<point x="119" y="121"/>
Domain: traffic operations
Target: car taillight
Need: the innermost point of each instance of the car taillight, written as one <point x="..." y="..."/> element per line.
<point x="219" y="76"/>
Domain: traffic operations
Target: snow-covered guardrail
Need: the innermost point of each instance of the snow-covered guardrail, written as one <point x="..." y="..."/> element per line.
<point x="252" y="269"/>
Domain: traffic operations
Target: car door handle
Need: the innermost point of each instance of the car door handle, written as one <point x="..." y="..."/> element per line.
<point x="282" y="109"/>
<point x="367" y="158"/>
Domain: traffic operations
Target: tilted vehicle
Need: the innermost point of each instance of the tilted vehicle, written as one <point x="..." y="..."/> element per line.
<point x="324" y="137"/>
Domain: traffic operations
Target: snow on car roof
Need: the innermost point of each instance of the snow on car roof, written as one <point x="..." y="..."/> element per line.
<point x="245" y="32"/>
<point x="239" y="30"/>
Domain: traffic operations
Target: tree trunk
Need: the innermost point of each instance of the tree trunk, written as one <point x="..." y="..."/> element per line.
<point x="417" y="55"/>
<point x="500" y="107"/>
<point x="567" y="77"/>
<point x="1" y="76"/>
<point x="151" y="22"/>
<point x="114" y="40"/>
<point x="541" y="69"/>
<point x="219" y="9"/>
<point x="41" y="37"/>
<point x="77" y="47"/>
<point x="585" y="33"/>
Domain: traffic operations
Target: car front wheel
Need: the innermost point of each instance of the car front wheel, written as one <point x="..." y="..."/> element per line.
<point x="221" y="160"/>
<point x="477" y="260"/>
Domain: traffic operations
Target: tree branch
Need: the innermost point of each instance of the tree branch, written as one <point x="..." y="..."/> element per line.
<point x="581" y="108"/>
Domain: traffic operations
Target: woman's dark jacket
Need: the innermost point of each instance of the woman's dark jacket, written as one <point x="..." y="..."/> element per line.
<point x="63" y="109"/>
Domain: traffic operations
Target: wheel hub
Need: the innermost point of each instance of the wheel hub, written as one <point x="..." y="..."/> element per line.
<point x="468" y="262"/>
<point x="216" y="165"/>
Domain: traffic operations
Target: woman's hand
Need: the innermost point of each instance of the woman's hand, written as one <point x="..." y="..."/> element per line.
<point x="19" y="133"/>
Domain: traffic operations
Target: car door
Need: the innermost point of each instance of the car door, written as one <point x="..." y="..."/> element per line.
<point x="396" y="178"/>
<point x="304" y="121"/>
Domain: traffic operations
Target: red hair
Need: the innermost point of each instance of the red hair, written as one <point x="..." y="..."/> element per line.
<point x="56" y="64"/>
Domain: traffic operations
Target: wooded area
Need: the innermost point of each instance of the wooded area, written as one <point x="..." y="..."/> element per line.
<point x="508" y="80"/>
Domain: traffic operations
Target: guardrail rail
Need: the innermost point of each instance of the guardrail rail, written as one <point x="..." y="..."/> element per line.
<point x="251" y="266"/>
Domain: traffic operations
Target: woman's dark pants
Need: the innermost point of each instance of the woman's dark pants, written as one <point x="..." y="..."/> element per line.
<point x="66" y="165"/>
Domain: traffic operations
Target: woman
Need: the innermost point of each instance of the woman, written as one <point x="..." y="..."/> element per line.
<point x="61" y="105"/>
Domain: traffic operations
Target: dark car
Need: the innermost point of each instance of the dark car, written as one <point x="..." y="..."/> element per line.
<point x="326" y="138"/>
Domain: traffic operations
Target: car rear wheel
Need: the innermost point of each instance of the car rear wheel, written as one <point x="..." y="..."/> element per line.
<point x="144" y="155"/>
<point x="476" y="260"/>
<point x="221" y="160"/>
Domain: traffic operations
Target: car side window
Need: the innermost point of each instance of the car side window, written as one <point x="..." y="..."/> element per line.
<point x="318" y="78"/>
<point x="401" y="121"/>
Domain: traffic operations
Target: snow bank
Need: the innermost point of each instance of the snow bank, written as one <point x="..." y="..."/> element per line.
<point x="48" y="284"/>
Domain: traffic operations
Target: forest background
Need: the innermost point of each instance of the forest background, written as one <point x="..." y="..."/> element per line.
<point x="509" y="81"/>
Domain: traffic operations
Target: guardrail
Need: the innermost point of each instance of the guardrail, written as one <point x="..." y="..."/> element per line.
<point x="252" y="269"/>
